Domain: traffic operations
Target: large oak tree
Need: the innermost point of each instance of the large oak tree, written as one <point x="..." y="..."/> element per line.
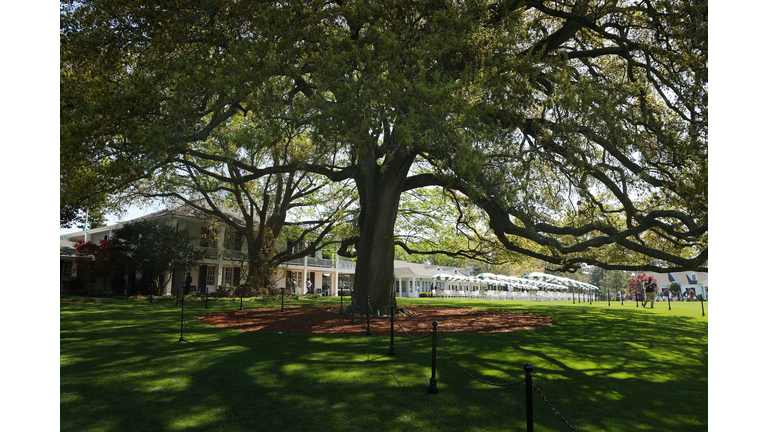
<point x="578" y="127"/>
<point x="279" y="217"/>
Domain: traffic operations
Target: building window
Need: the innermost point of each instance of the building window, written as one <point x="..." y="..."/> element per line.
<point x="210" y="278"/>
<point x="207" y="238"/>
<point x="229" y="275"/>
<point x="294" y="280"/>
<point x="233" y="240"/>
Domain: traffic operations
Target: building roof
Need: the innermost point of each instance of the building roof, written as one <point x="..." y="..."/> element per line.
<point x="186" y="211"/>
<point x="683" y="278"/>
<point x="403" y="268"/>
<point x="183" y="211"/>
<point x="67" y="248"/>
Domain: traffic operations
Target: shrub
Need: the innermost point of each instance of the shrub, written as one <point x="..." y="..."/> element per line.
<point x="75" y="284"/>
<point x="90" y="293"/>
<point x="425" y="294"/>
<point x="223" y="291"/>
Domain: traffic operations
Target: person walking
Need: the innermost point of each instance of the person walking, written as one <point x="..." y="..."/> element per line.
<point x="650" y="291"/>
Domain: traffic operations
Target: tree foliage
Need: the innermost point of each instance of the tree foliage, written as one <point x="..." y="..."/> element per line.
<point x="156" y="250"/>
<point x="578" y="128"/>
<point x="280" y="216"/>
<point x="97" y="259"/>
<point x="609" y="281"/>
<point x="675" y="287"/>
<point x="636" y="283"/>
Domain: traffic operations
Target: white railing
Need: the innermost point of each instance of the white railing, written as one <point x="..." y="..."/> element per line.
<point x="320" y="262"/>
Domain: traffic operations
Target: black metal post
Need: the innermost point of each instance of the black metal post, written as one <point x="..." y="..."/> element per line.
<point x="368" y="315"/>
<point x="241" y="298"/>
<point x="150" y="298"/>
<point x="392" y="330"/>
<point x="282" y="300"/>
<point x="529" y="396"/>
<point x="433" y="381"/>
<point x="573" y="295"/>
<point x="701" y="300"/>
<point x="341" y="303"/>
<point x="622" y="298"/>
<point x="590" y="294"/>
<point x="669" y="301"/>
<point x="609" y="298"/>
<point x="181" y="335"/>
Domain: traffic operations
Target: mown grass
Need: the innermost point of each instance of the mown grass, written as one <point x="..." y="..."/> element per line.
<point x="616" y="368"/>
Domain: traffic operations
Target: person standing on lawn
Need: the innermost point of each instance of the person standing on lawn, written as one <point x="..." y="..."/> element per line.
<point x="650" y="291"/>
<point x="187" y="283"/>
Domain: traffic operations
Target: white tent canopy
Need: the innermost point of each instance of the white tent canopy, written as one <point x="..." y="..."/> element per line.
<point x="551" y="279"/>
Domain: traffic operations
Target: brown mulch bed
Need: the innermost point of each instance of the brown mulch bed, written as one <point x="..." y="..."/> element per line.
<point x="417" y="320"/>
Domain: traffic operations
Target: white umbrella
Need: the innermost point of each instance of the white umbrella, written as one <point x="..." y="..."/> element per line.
<point x="559" y="280"/>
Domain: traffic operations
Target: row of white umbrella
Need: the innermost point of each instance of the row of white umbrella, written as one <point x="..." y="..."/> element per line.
<point x="570" y="283"/>
<point x="534" y="281"/>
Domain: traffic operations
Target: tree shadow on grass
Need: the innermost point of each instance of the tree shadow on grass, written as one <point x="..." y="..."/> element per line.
<point x="617" y="370"/>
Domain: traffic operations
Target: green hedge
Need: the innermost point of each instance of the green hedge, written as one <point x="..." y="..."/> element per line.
<point x="90" y="293"/>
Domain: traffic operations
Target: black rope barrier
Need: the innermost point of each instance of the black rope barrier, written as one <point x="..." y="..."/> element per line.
<point x="472" y="376"/>
<point x="552" y="407"/>
<point x="432" y="389"/>
<point x="407" y="334"/>
<point x="528" y="380"/>
<point x="353" y="309"/>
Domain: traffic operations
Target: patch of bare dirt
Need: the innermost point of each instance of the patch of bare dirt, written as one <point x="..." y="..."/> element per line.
<point x="417" y="320"/>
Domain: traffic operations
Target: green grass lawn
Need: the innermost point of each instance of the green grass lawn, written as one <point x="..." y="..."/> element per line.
<point x="603" y="368"/>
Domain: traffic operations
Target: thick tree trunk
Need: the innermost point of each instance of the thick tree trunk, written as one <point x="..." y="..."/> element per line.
<point x="260" y="271"/>
<point x="380" y="191"/>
